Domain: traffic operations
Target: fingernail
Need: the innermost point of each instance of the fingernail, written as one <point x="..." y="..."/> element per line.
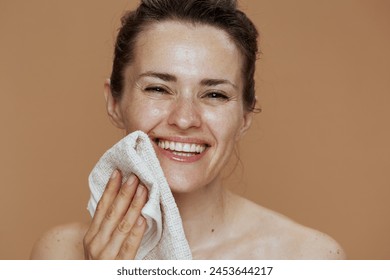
<point x="140" y="190"/>
<point x="114" y="174"/>
<point x="130" y="180"/>
<point x="140" y="220"/>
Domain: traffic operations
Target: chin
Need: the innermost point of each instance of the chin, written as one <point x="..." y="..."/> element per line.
<point x="190" y="183"/>
<point x="179" y="184"/>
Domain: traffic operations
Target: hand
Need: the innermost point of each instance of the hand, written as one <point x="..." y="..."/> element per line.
<point x="117" y="227"/>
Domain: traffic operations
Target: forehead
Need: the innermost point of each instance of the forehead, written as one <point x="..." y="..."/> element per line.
<point x="187" y="49"/>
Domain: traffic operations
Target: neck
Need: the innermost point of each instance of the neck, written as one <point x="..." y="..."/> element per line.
<point x="203" y="213"/>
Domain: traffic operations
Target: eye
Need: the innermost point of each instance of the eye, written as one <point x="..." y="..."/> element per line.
<point x="217" y="95"/>
<point x="156" y="89"/>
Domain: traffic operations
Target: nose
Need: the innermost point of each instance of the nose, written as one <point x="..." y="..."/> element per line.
<point x="184" y="114"/>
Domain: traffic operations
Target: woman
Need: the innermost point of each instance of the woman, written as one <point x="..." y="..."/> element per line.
<point x="183" y="73"/>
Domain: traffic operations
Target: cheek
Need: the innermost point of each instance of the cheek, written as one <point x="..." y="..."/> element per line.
<point x="143" y="114"/>
<point x="224" y="124"/>
<point x="153" y="112"/>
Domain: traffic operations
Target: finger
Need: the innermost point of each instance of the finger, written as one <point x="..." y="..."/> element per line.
<point x="118" y="209"/>
<point x="108" y="196"/>
<point x="128" y="222"/>
<point x="131" y="244"/>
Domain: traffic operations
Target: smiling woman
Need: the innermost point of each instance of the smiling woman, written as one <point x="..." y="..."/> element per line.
<point x="172" y="93"/>
<point x="183" y="73"/>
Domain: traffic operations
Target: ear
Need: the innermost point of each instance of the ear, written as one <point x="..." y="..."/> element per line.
<point x="246" y="124"/>
<point x="247" y="121"/>
<point x="113" y="107"/>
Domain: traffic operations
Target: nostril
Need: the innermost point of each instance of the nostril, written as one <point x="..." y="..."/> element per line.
<point x="184" y="115"/>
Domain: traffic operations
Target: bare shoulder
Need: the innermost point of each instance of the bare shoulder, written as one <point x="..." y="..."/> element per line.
<point x="318" y="245"/>
<point x="277" y="237"/>
<point x="63" y="242"/>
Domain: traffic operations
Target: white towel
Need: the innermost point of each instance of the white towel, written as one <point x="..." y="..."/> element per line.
<point x="164" y="237"/>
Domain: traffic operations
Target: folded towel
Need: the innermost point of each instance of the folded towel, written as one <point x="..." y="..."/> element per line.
<point x="164" y="237"/>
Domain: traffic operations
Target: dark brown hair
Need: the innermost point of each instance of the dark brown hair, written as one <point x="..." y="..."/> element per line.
<point x="222" y="14"/>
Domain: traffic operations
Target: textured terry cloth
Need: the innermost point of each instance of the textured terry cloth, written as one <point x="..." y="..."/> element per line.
<point x="164" y="237"/>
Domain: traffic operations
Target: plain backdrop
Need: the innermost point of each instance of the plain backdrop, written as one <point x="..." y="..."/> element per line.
<point x="318" y="153"/>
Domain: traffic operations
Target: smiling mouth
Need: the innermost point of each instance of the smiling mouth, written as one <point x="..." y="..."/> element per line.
<point x="181" y="149"/>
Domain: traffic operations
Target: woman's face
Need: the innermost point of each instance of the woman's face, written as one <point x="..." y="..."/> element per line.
<point x="184" y="89"/>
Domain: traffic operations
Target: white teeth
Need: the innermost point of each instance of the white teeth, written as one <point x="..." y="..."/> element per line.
<point x="182" y="149"/>
<point x="183" y="154"/>
<point x="178" y="147"/>
<point x="186" y="147"/>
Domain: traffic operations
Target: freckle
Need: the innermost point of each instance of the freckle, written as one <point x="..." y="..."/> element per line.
<point x="58" y="240"/>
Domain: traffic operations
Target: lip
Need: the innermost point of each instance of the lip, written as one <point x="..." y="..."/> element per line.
<point x="178" y="158"/>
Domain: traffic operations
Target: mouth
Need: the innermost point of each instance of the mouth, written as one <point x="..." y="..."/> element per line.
<point x="181" y="149"/>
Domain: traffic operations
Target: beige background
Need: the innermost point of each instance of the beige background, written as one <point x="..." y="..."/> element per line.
<point x="319" y="153"/>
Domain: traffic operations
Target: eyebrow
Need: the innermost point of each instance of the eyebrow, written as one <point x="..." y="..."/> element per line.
<point x="162" y="76"/>
<point x="171" y="78"/>
<point x="216" y="82"/>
